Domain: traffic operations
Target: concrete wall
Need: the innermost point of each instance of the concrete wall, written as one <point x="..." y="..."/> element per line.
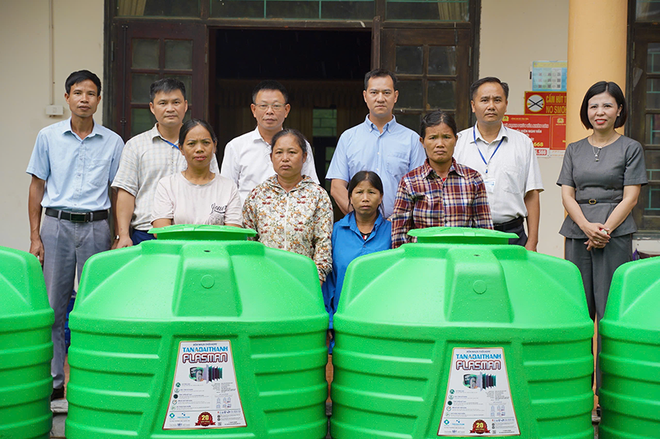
<point x="25" y="74"/>
<point x="513" y="34"/>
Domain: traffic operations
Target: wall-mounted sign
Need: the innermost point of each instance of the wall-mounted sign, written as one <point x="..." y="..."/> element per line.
<point x="547" y="132"/>
<point x="549" y="75"/>
<point x="545" y="102"/>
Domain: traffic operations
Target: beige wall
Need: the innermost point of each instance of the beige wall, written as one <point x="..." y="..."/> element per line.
<point x="25" y="76"/>
<point x="513" y="34"/>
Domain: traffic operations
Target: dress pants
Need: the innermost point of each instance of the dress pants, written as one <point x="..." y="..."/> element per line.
<point x="67" y="246"/>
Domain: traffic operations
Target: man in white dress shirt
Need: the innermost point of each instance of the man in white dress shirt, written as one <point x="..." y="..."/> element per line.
<point x="506" y="160"/>
<point x="247" y="158"/>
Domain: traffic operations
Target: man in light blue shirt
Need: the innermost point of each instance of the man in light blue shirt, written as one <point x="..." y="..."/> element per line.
<point x="72" y="165"/>
<point x="379" y="144"/>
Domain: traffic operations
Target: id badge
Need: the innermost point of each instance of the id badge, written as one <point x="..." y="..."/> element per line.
<point x="490" y="185"/>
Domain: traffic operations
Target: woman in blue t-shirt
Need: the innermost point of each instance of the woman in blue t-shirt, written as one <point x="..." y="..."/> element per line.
<point x="362" y="231"/>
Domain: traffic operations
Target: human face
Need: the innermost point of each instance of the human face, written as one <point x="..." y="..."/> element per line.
<point x="489" y="103"/>
<point x="380" y="97"/>
<point x="365" y="199"/>
<point x="169" y="108"/>
<point x="288" y="158"/>
<point x="83" y="99"/>
<point x="270" y="110"/>
<point x="198" y="148"/>
<point x="439" y="143"/>
<point x="602" y="111"/>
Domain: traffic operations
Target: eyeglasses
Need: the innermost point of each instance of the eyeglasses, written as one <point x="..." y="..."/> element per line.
<point x="275" y="107"/>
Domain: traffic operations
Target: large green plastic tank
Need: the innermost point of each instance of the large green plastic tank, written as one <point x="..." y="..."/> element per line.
<point x="630" y="355"/>
<point x="199" y="333"/>
<point x="459" y="335"/>
<point x="26" y="348"/>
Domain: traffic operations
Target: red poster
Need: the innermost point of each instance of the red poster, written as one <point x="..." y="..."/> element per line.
<point x="547" y="132"/>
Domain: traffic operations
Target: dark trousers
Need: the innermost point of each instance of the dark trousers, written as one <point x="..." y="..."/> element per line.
<point x="514" y="226"/>
<point x="138" y="236"/>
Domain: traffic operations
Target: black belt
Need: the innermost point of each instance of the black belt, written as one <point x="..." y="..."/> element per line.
<point x="78" y="217"/>
<point x="595" y="201"/>
<point x="509" y="225"/>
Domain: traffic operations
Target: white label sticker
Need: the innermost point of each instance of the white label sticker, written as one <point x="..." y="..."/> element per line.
<point x="478" y="400"/>
<point x="204" y="393"/>
<point x="490" y="185"/>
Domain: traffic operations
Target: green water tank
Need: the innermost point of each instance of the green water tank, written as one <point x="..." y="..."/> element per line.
<point x="26" y="348"/>
<point x="199" y="333"/>
<point x="460" y="335"/>
<point x="630" y="353"/>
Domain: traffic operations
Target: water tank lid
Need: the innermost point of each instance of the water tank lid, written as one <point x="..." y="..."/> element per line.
<point x="202" y="232"/>
<point x="460" y="235"/>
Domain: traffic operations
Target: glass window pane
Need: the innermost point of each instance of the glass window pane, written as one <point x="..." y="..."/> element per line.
<point x="187" y="82"/>
<point x="442" y="60"/>
<point x="140" y="85"/>
<point x="146" y="54"/>
<point x="653" y="58"/>
<point x="237" y="8"/>
<point x="178" y="54"/>
<point x="410" y="94"/>
<point x="652" y="129"/>
<point x="292" y="9"/>
<point x="648" y="10"/>
<point x="411" y="121"/>
<point x="441" y="10"/>
<point x="653" y="93"/>
<point x="409" y="59"/>
<point x="141" y="120"/>
<point x="158" y="8"/>
<point x="442" y="95"/>
<point x="345" y="10"/>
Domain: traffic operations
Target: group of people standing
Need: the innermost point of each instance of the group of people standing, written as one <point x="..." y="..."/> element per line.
<point x="385" y="178"/>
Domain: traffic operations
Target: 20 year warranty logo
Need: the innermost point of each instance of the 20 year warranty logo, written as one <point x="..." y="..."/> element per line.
<point x="479" y="427"/>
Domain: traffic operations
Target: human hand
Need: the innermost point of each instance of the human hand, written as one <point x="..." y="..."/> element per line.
<point x="595" y="244"/>
<point x="123" y="241"/>
<point x="596" y="232"/>
<point x="37" y="249"/>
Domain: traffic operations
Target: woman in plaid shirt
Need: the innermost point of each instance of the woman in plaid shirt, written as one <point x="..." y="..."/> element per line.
<point x="441" y="192"/>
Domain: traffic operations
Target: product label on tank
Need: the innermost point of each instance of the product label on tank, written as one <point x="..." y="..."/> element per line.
<point x="204" y="392"/>
<point x="478" y="400"/>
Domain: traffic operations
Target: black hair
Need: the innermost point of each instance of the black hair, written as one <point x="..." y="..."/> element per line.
<point x="475" y="86"/>
<point x="436" y="118"/>
<point x="369" y="176"/>
<point x="270" y="84"/>
<point x="192" y="123"/>
<point x="80" y="76"/>
<point x="166" y="85"/>
<point x="300" y="139"/>
<point x="615" y="91"/>
<point x="379" y="73"/>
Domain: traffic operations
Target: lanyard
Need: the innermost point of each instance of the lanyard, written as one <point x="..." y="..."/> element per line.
<point x="170" y="143"/>
<point x="487" y="163"/>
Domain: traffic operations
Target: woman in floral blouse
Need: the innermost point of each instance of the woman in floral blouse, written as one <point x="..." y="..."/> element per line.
<point x="288" y="210"/>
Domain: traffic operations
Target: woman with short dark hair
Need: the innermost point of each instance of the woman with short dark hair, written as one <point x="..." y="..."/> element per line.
<point x="600" y="181"/>
<point x="289" y="210"/>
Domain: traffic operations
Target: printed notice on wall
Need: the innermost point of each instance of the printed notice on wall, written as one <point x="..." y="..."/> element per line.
<point x="204" y="393"/>
<point x="478" y="400"/>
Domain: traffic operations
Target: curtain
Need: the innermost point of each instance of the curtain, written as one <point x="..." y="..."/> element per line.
<point x="133" y="8"/>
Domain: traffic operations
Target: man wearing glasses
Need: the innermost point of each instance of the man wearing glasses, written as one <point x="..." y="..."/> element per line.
<point x="247" y="157"/>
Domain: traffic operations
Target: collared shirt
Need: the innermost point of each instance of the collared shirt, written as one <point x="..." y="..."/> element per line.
<point x="247" y="162"/>
<point x="147" y="158"/>
<point x="512" y="171"/>
<point x="424" y="200"/>
<point x="77" y="171"/>
<point x="348" y="244"/>
<point x="390" y="154"/>
<point x="298" y="221"/>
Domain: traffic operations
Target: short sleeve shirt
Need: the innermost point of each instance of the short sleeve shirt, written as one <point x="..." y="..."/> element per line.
<point x="390" y="154"/>
<point x="77" y="171"/>
<point x="619" y="164"/>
